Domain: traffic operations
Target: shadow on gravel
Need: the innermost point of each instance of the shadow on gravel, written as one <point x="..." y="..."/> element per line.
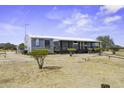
<point x="52" y="67"/>
<point x="6" y="80"/>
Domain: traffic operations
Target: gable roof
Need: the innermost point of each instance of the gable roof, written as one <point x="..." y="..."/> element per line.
<point x="63" y="38"/>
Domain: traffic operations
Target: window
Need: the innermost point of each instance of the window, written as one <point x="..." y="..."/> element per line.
<point x="75" y="45"/>
<point x="47" y="44"/>
<point x="70" y="44"/>
<point x="64" y="45"/>
<point x="37" y="42"/>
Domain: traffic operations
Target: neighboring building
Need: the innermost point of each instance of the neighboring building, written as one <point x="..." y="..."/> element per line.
<point x="59" y="44"/>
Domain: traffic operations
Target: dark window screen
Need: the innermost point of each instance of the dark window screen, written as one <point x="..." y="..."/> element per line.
<point x="47" y="44"/>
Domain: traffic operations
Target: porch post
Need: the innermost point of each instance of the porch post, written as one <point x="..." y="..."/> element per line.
<point x="60" y="46"/>
<point x="91" y="44"/>
<point x="99" y="44"/>
<point x="68" y="45"/>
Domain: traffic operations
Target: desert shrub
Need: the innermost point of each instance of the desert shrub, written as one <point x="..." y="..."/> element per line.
<point x="98" y="50"/>
<point x="103" y="49"/>
<point x="106" y="49"/>
<point x="39" y="55"/>
<point x="90" y="50"/>
<point x="105" y="86"/>
<point x="71" y="51"/>
<point x="25" y="52"/>
<point x="114" y="49"/>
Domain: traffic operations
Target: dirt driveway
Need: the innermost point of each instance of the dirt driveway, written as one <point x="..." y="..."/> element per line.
<point x="61" y="71"/>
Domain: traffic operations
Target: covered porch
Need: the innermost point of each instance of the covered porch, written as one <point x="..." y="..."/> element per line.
<point x="80" y="46"/>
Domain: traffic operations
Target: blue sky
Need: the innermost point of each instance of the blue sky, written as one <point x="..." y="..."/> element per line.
<point x="69" y="21"/>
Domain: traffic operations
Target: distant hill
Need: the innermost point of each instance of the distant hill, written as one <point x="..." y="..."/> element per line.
<point x="7" y="46"/>
<point x="2" y="44"/>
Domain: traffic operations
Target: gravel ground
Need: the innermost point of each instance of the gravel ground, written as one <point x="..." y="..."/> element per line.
<point x="61" y="71"/>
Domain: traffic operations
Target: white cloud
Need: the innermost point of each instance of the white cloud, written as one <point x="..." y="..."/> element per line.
<point x="71" y="29"/>
<point x="109" y="9"/>
<point x="78" y="23"/>
<point x="75" y="22"/>
<point x="111" y="19"/>
<point x="67" y="22"/>
<point x="55" y="14"/>
<point x="9" y="27"/>
<point x="54" y="8"/>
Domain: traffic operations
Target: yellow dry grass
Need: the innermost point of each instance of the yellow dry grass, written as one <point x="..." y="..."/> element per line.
<point x="61" y="71"/>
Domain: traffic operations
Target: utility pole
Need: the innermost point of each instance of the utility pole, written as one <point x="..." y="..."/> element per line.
<point x="26" y="28"/>
<point x="26" y="31"/>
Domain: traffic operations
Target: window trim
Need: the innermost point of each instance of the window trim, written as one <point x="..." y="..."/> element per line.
<point x="37" y="42"/>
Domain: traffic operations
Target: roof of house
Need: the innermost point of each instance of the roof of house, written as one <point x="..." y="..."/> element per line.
<point x="63" y="38"/>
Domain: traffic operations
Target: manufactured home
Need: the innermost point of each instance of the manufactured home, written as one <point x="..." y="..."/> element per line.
<point x="59" y="44"/>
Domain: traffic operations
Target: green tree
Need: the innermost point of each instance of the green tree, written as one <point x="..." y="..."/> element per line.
<point x="9" y="46"/>
<point x="106" y="41"/>
<point x="71" y="51"/>
<point x="22" y="46"/>
<point x="40" y="55"/>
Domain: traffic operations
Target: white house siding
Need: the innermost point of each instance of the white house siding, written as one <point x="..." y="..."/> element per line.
<point x="52" y="46"/>
<point x="28" y="43"/>
<point x="42" y="44"/>
<point x="58" y="44"/>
